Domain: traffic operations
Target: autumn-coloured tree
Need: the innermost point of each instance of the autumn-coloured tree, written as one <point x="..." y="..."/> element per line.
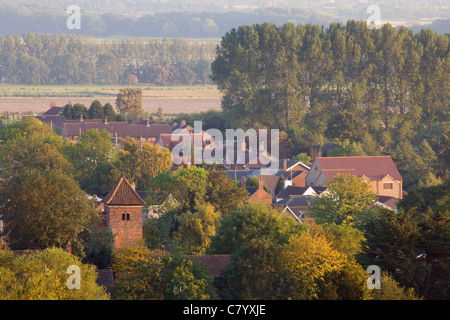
<point x="44" y="275"/>
<point x="140" y="161"/>
<point x="197" y="228"/>
<point x="129" y="101"/>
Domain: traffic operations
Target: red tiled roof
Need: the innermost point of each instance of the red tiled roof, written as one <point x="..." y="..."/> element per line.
<point x="53" y="111"/>
<point x="372" y="167"/>
<point x="391" y="202"/>
<point x="123" y="129"/>
<point x="123" y="194"/>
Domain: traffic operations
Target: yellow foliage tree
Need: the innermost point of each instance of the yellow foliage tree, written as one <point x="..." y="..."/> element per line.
<point x="45" y="275"/>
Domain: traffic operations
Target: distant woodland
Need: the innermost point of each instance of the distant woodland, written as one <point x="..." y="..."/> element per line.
<point x="44" y="59"/>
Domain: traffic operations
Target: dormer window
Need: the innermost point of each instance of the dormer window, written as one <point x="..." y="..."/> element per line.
<point x="315" y="171"/>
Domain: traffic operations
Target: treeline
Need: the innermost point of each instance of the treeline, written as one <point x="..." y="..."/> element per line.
<point x="41" y="59"/>
<point x="356" y="90"/>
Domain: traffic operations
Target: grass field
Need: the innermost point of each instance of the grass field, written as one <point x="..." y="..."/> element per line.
<point x="176" y="99"/>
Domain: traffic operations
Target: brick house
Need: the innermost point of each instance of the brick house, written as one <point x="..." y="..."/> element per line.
<point x="256" y="194"/>
<point x="123" y="209"/>
<point x="379" y="172"/>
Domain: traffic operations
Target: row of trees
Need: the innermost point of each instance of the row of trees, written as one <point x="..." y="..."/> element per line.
<point x="369" y="92"/>
<point x="60" y="59"/>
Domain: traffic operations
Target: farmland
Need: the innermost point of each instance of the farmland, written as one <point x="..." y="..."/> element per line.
<point x="173" y="100"/>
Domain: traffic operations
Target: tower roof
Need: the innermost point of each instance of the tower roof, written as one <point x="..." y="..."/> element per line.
<point x="123" y="193"/>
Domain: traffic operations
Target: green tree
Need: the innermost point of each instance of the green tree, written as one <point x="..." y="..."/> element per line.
<point x="45" y="208"/>
<point x="347" y="199"/>
<point x="98" y="246"/>
<point x="31" y="144"/>
<point x="253" y="221"/>
<point x="186" y="279"/>
<point x="108" y="111"/>
<point x="392" y="243"/>
<point x="305" y="267"/>
<point x="96" y="110"/>
<point x="223" y="193"/>
<point x="78" y="111"/>
<point x="142" y="274"/>
<point x="94" y="161"/>
<point x="345" y="149"/>
<point x="280" y="184"/>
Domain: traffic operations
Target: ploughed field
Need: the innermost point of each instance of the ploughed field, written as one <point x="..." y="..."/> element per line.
<point x="173" y="100"/>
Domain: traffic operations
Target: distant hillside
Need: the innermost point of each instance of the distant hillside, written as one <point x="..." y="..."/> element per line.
<point x="23" y="18"/>
<point x="439" y="26"/>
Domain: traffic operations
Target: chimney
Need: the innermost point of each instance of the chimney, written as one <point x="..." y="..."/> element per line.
<point x="285" y="165"/>
<point x="148" y="123"/>
<point x="52" y="104"/>
<point x="183" y="122"/>
<point x="260" y="183"/>
<point x="81" y="118"/>
<point x="243" y="183"/>
<point x="106" y="120"/>
<point x="133" y="186"/>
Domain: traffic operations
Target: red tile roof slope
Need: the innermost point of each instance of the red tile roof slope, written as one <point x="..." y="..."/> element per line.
<point x="372" y="167"/>
<point x="123" y="194"/>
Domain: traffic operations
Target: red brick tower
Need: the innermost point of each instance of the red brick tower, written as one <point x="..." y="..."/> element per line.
<point x="123" y="208"/>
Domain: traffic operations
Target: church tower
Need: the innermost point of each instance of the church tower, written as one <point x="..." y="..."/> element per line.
<point x="123" y="209"/>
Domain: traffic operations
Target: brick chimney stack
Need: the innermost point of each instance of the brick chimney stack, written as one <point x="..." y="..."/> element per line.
<point x="243" y="183"/>
<point x="260" y="183"/>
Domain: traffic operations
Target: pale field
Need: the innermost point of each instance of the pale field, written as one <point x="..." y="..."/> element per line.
<point x="171" y="100"/>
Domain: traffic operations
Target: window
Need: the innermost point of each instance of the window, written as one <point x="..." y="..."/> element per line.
<point x="123" y="216"/>
<point x="388" y="186"/>
<point x="128" y="217"/>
